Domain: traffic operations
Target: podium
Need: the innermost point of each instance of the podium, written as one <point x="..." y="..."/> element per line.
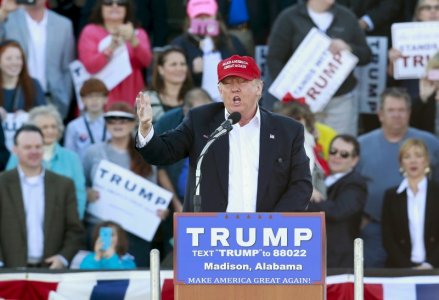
<point x="249" y="256"/>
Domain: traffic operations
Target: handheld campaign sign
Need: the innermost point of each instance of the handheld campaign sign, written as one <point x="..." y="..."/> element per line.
<point x="255" y="249"/>
<point x="372" y="77"/>
<point x="128" y="199"/>
<point x="313" y="73"/>
<point x="417" y="42"/>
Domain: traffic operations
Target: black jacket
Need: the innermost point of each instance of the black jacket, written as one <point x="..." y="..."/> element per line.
<point x="395" y="228"/>
<point x="343" y="210"/>
<point x="383" y="13"/>
<point x="284" y="180"/>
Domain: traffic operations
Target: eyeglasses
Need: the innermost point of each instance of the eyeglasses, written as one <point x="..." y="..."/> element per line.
<point x="429" y="7"/>
<point x="115" y="120"/>
<point x="343" y="153"/>
<point x="117" y="2"/>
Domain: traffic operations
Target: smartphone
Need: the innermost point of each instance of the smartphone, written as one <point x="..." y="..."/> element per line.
<point x="433" y="75"/>
<point x="26" y="2"/>
<point x="208" y="27"/>
<point x="105" y="234"/>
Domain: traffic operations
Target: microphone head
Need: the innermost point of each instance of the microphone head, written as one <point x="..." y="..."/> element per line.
<point x="234" y="117"/>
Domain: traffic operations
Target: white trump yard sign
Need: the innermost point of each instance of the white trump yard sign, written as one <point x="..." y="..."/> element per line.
<point x="417" y="41"/>
<point x="372" y="77"/>
<point x="128" y="199"/>
<point x="313" y="72"/>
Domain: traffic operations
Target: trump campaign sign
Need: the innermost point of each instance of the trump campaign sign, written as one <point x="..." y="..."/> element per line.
<point x="128" y="199"/>
<point x="257" y="248"/>
<point x="417" y="42"/>
<point x="313" y="73"/>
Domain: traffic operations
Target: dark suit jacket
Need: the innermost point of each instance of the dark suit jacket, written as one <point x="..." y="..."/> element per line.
<point x="395" y="227"/>
<point x="284" y="182"/>
<point x="63" y="231"/>
<point x="343" y="209"/>
<point x="382" y="13"/>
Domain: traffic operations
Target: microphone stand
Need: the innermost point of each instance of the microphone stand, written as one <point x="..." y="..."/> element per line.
<point x="197" y="196"/>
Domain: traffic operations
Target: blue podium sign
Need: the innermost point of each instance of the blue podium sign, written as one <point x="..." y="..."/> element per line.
<point x="255" y="248"/>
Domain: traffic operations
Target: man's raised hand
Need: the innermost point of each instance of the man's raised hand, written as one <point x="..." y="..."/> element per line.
<point x="144" y="113"/>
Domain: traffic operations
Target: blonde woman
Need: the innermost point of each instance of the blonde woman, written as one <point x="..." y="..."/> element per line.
<point x="410" y="210"/>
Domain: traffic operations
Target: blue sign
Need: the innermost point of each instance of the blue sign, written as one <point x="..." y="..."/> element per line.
<point x="256" y="248"/>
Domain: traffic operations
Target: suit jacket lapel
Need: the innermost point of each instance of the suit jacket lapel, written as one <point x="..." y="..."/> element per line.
<point x="402" y="212"/>
<point x="15" y="193"/>
<point x="220" y="150"/>
<point x="24" y="31"/>
<point x="430" y="211"/>
<point x="50" y="41"/>
<point x="267" y="155"/>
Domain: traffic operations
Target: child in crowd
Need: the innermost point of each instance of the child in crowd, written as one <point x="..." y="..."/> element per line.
<point x="89" y="128"/>
<point x="113" y="257"/>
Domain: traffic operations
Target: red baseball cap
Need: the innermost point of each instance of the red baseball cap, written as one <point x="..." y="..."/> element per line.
<point x="240" y="66"/>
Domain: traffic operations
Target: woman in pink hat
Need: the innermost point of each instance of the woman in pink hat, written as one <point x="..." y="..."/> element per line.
<point x="205" y="33"/>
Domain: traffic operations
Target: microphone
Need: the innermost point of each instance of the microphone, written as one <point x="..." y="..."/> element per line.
<point x="224" y="128"/>
<point x="233" y="118"/>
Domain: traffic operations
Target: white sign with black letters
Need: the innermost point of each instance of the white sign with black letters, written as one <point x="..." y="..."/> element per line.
<point x="128" y="199"/>
<point x="372" y="77"/>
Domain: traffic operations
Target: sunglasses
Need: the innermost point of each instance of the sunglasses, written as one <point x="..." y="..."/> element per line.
<point x="343" y="153"/>
<point x="114" y="120"/>
<point x="117" y="2"/>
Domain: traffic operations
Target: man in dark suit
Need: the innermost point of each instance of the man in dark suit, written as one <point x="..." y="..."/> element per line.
<point x="343" y="206"/>
<point x="260" y="165"/>
<point x="39" y="223"/>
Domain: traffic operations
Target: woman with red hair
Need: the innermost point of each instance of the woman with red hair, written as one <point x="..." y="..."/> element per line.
<point x="20" y="92"/>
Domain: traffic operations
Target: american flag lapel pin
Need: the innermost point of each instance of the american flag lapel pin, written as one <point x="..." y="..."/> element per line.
<point x="271" y="136"/>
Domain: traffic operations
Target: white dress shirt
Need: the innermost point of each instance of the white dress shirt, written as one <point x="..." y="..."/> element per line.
<point x="244" y="165"/>
<point x="416" y="217"/>
<point x="333" y="178"/>
<point x="32" y="190"/>
<point x="36" y="60"/>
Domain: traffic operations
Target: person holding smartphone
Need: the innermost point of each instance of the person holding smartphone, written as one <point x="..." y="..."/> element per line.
<point x="110" y="249"/>
<point x="205" y="34"/>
